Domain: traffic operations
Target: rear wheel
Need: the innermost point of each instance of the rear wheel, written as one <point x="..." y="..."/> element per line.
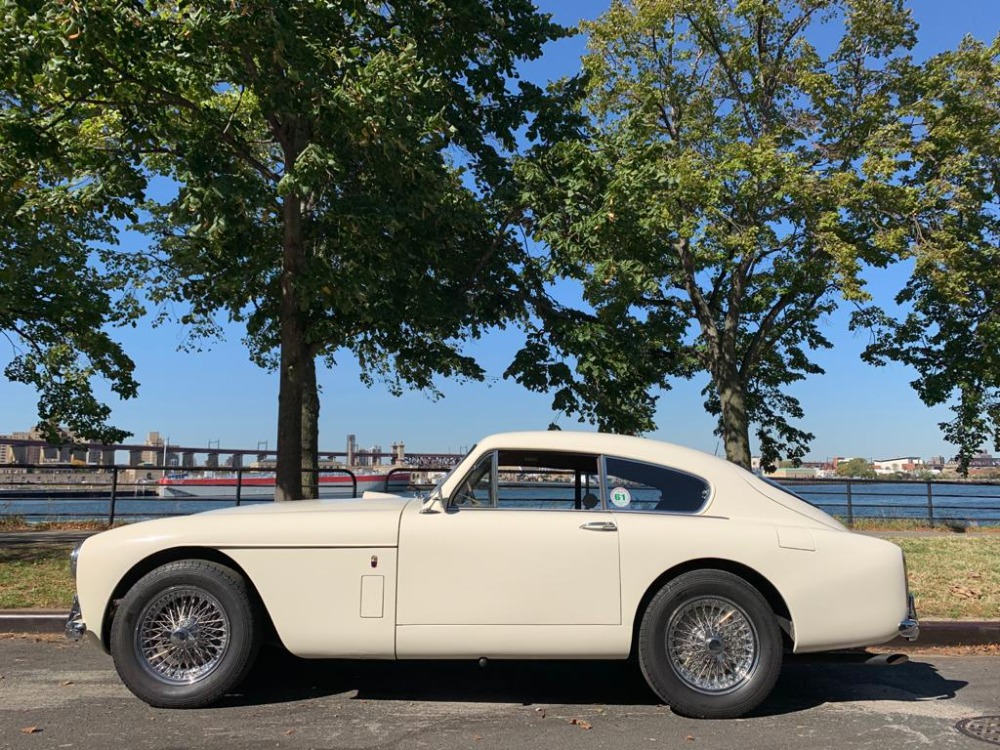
<point x="186" y="634"/>
<point x="709" y="645"/>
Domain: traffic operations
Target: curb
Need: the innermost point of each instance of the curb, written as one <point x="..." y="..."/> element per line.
<point x="932" y="632"/>
<point x="947" y="633"/>
<point x="33" y="620"/>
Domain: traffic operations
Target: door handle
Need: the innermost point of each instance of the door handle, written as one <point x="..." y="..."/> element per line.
<point x="599" y="526"/>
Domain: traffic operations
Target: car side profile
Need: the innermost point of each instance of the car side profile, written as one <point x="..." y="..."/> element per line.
<point x="537" y="545"/>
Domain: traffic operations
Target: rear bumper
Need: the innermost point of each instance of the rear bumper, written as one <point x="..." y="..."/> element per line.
<point x="909" y="628"/>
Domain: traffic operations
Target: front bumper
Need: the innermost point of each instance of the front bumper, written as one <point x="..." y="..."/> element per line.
<point x="909" y="628"/>
<point x="76" y="628"/>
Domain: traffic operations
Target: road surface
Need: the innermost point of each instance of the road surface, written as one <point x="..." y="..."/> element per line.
<point x="69" y="696"/>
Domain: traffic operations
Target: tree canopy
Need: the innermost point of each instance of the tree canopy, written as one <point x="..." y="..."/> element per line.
<point x="856" y="467"/>
<point x="59" y="293"/>
<point x="950" y="164"/>
<point x="711" y="188"/>
<point x="341" y="169"/>
<point x="729" y="190"/>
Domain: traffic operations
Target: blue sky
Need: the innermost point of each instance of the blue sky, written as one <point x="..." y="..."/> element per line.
<point x="218" y="394"/>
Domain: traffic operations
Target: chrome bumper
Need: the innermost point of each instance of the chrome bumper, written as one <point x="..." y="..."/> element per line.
<point x="75" y="626"/>
<point x="910" y="627"/>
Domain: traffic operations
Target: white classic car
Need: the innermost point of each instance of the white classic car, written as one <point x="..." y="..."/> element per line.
<point x="538" y="545"/>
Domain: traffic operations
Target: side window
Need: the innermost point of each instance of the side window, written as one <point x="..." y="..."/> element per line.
<point x="633" y="485"/>
<point x="532" y="480"/>
<point x="477" y="487"/>
<point x="548" y="480"/>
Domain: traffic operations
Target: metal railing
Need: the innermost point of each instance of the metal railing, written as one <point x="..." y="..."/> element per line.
<point x="112" y="493"/>
<point x="944" y="502"/>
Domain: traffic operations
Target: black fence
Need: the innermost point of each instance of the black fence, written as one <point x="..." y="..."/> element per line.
<point x="934" y="502"/>
<point x="113" y="493"/>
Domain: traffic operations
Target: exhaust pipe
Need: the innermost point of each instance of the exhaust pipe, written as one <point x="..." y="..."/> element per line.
<point x="887" y="660"/>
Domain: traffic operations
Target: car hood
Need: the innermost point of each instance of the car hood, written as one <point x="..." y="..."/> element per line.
<point x="358" y="505"/>
<point x="301" y="523"/>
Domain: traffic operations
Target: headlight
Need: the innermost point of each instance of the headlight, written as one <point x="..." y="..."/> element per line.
<point x="72" y="559"/>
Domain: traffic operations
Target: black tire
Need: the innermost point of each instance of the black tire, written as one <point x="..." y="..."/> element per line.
<point x="186" y="634"/>
<point x="709" y="645"/>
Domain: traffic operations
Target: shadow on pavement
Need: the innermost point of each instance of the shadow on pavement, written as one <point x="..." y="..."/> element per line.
<point x="809" y="681"/>
<point x="804" y="682"/>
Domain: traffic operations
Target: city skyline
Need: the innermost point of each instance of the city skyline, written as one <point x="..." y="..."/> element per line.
<point x="854" y="409"/>
<point x="154" y="442"/>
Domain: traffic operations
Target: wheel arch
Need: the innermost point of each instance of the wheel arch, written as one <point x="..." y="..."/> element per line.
<point x="760" y="582"/>
<point x="174" y="554"/>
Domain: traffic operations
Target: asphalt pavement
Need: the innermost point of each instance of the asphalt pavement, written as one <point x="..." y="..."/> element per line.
<point x="61" y="695"/>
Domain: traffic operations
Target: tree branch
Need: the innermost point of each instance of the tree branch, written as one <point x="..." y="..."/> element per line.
<point x="708" y="34"/>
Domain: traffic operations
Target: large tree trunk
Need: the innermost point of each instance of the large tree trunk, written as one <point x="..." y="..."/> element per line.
<point x="294" y="352"/>
<point x="310" y="428"/>
<point x="734" y="421"/>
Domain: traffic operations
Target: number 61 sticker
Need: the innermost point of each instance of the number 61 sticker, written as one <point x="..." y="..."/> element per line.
<point x="620" y="497"/>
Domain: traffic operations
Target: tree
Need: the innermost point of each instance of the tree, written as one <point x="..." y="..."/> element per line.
<point x="726" y="195"/>
<point x="950" y="332"/>
<point x="318" y="146"/>
<point x="59" y="292"/>
<point x="855" y="467"/>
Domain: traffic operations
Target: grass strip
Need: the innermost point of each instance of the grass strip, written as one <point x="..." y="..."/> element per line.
<point x="35" y="576"/>
<point x="954" y="577"/>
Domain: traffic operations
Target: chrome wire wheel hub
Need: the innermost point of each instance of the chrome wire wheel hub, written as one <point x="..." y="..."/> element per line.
<point x="712" y="645"/>
<point x="182" y="635"/>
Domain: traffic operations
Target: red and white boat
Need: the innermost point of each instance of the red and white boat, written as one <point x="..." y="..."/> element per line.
<point x="259" y="486"/>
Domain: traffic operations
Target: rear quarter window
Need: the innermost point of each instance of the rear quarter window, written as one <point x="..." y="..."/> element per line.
<point x="639" y="486"/>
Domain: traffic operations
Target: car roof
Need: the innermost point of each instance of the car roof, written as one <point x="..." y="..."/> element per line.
<point x="624" y="446"/>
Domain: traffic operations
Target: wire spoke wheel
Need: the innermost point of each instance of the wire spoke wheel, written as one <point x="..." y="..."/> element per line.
<point x="182" y="635"/>
<point x="712" y="645"/>
<point x="186" y="633"/>
<point x="709" y="645"/>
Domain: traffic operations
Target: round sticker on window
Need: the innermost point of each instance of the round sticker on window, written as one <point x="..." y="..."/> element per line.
<point x="620" y="497"/>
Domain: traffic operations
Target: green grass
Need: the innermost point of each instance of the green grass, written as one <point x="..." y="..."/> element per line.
<point x="913" y="524"/>
<point x="954" y="577"/>
<point x="35" y="576"/>
<point x="18" y="523"/>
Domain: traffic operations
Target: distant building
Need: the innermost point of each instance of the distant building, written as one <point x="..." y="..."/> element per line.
<point x="795" y="472"/>
<point x="153" y="458"/>
<point x="901" y="465"/>
<point x="785" y="470"/>
<point x="67" y="453"/>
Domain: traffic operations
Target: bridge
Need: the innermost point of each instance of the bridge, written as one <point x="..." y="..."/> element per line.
<point x="32" y="451"/>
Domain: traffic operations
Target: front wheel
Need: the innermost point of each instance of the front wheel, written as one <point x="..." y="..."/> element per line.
<point x="186" y="634"/>
<point x="709" y="645"/>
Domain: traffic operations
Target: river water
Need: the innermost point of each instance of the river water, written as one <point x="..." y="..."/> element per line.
<point x="973" y="503"/>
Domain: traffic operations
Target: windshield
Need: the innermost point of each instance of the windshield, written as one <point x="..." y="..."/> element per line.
<point x="436" y="491"/>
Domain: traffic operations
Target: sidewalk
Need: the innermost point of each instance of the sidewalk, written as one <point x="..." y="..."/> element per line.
<point x="26" y="538"/>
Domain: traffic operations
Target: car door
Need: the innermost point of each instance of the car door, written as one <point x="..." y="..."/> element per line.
<point x="542" y="552"/>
